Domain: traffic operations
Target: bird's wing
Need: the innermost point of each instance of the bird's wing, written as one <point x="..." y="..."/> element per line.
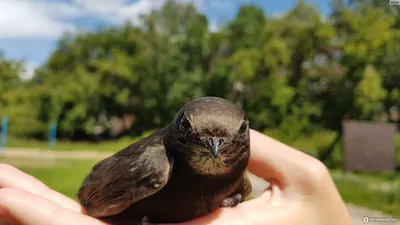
<point x="134" y="173"/>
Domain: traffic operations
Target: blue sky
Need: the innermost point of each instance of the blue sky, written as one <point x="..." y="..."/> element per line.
<point x="29" y="29"/>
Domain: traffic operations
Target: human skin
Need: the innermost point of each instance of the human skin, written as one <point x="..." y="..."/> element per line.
<point x="301" y="192"/>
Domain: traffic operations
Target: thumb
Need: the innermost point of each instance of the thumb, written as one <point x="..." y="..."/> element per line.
<point x="294" y="172"/>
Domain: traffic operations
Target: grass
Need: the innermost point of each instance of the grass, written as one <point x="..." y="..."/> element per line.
<point x="62" y="175"/>
<point x="371" y="191"/>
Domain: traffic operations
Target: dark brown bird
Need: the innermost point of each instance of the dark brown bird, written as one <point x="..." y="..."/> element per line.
<point x="185" y="170"/>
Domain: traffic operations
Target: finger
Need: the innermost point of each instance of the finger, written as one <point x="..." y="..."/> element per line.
<point x="11" y="177"/>
<point x="255" y="211"/>
<point x="288" y="168"/>
<point x="295" y="173"/>
<point x="28" y="209"/>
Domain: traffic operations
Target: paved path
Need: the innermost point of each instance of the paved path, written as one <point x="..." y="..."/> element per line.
<point x="48" y="154"/>
<point x="259" y="185"/>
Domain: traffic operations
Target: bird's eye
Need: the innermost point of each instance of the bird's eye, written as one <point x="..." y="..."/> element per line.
<point x="184" y="125"/>
<point x="243" y="128"/>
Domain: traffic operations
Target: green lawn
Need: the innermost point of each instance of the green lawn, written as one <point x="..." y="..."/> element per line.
<point x="379" y="192"/>
<point x="62" y="175"/>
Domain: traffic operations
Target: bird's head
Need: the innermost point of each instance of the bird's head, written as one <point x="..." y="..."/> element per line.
<point x="213" y="136"/>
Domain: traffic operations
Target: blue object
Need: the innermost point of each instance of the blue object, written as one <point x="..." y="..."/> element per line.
<point x="52" y="135"/>
<point x="4" y="123"/>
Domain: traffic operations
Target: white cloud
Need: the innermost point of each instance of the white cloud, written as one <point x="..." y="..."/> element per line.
<point x="45" y="19"/>
<point x="123" y="11"/>
<point x="213" y="26"/>
<point x="29" y="70"/>
<point x="101" y="6"/>
<point x="57" y="9"/>
<point x="49" y="19"/>
<point x="221" y="4"/>
<point x="133" y="11"/>
<point x="25" y="18"/>
<point x="118" y="11"/>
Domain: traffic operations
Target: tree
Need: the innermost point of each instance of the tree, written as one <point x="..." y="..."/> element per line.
<point x="296" y="73"/>
<point x="18" y="101"/>
<point x="369" y="94"/>
<point x="9" y="73"/>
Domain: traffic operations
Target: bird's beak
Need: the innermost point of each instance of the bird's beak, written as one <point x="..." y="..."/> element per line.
<point x="215" y="146"/>
<point x="215" y="151"/>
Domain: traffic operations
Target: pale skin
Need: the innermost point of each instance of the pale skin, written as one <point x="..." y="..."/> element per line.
<point x="301" y="192"/>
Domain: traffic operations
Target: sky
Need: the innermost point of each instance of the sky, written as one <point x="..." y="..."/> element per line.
<point x="29" y="29"/>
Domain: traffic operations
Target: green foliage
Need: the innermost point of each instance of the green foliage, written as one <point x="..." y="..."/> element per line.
<point x="23" y="113"/>
<point x="9" y="71"/>
<point x="245" y="28"/>
<point x="372" y="191"/>
<point x="369" y="94"/>
<point x="368" y="30"/>
<point x="297" y="73"/>
<point x="62" y="175"/>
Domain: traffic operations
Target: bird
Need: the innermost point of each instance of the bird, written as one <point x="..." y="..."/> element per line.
<point x="187" y="169"/>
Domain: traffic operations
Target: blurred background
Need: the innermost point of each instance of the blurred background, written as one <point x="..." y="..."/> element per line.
<point x="99" y="75"/>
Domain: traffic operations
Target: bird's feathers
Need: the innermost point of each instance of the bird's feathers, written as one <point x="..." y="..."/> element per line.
<point x="110" y="188"/>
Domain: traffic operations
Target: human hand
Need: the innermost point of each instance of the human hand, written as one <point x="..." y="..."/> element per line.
<point x="24" y="200"/>
<point x="301" y="192"/>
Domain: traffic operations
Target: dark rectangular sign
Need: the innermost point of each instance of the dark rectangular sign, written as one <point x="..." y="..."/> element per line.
<point x="369" y="146"/>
